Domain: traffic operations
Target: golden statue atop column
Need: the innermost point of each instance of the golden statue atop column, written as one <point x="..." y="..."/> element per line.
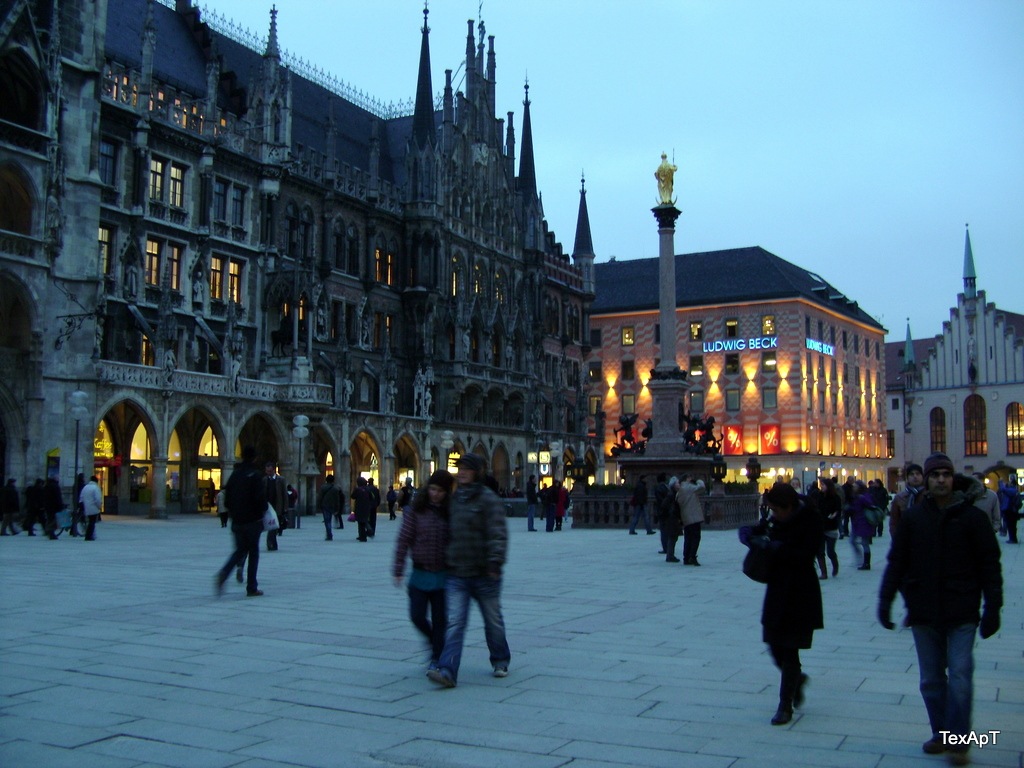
<point x="665" y="173"/>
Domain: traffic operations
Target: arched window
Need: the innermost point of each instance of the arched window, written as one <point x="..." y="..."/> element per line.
<point x="20" y="91"/>
<point x="338" y="237"/>
<point x="937" y="430"/>
<point x="975" y="431"/>
<point x="1015" y="428"/>
<point x="16" y="211"/>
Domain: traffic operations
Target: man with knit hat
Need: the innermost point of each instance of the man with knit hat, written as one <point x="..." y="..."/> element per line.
<point x="944" y="559"/>
<point x="478" y="544"/>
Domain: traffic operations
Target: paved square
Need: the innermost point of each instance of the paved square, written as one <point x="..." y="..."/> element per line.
<point x="116" y="654"/>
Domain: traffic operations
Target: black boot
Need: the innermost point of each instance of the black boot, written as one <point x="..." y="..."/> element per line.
<point x="798" y="694"/>
<point x="835" y="567"/>
<point x="783" y="714"/>
<point x="821" y="567"/>
<point x="866" y="565"/>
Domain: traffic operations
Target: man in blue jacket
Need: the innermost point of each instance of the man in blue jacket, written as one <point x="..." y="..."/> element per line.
<point x="944" y="559"/>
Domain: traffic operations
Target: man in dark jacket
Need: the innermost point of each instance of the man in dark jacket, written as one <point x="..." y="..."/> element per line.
<point x="361" y="501"/>
<point x="246" y="500"/>
<point x="475" y="556"/>
<point x="277" y="494"/>
<point x="329" y="504"/>
<point x="944" y="558"/>
<point x="639" y="501"/>
<point x="374" y="491"/>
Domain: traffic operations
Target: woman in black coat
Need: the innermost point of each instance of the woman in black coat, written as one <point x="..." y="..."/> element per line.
<point x="792" y="600"/>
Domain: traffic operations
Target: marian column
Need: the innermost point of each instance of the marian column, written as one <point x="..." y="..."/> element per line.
<point x="668" y="384"/>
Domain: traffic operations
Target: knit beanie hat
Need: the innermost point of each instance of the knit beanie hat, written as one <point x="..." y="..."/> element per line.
<point x="936" y="462"/>
<point x="442" y="479"/>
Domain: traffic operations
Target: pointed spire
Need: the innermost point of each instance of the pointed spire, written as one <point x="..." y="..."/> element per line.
<point x="584" y="245"/>
<point x="272" y="49"/>
<point x="908" y="351"/>
<point x="423" y="115"/>
<point x="970" y="276"/>
<point x="527" y="172"/>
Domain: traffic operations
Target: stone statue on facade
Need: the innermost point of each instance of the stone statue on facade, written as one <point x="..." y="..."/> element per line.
<point x="665" y="175"/>
<point x="347" y="388"/>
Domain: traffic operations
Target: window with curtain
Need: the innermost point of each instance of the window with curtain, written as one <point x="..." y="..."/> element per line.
<point x="937" y="430"/>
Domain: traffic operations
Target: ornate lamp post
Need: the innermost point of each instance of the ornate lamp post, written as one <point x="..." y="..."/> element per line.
<point x="718" y="472"/>
<point x="78" y="411"/>
<point x="447" y="443"/>
<point x="753" y="469"/>
<point x="300" y="432"/>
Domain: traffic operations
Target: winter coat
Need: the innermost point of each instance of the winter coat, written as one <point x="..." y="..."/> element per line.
<point x="478" y="531"/>
<point x="668" y="511"/>
<point x="792" y="598"/>
<point x="330" y="499"/>
<point x="690" y="509"/>
<point x="91" y="499"/>
<point x="424" y="535"/>
<point x="361" y="501"/>
<point x="903" y="501"/>
<point x="244" y="494"/>
<point x="860" y="525"/>
<point x="830" y="507"/>
<point x="943" y="560"/>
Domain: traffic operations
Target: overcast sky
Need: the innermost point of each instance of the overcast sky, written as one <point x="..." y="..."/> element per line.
<point x="854" y="138"/>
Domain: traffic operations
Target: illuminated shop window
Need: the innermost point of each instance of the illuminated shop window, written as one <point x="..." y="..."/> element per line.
<point x="732" y="328"/>
<point x="768" y="362"/>
<point x="696" y="365"/>
<point x="768" y="325"/>
<point x="696" y="330"/>
<point x="628" y="336"/>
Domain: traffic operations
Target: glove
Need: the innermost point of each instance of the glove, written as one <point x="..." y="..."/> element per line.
<point x="885" y="615"/>
<point x="989" y="624"/>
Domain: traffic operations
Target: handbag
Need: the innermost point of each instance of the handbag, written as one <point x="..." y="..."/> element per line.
<point x="757" y="565"/>
<point x="270" y="521"/>
<point x="352" y="517"/>
<point x="62" y="519"/>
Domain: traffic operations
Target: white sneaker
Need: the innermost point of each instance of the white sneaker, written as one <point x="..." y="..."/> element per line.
<point x="501" y="671"/>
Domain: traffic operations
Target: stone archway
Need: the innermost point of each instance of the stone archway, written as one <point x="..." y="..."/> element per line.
<point x="126" y="468"/>
<point x="197" y="461"/>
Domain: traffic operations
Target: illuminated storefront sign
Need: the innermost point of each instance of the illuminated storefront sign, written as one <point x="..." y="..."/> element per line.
<point x="734" y="345"/>
<point x="820" y="346"/>
<point x="732" y="441"/>
<point x="770" y="439"/>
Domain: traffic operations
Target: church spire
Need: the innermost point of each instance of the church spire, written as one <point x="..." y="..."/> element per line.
<point x="527" y="172"/>
<point x="584" y="245"/>
<point x="423" y="116"/>
<point x="273" y="51"/>
<point x="583" y="250"/>
<point x="970" y="276"/>
<point x="909" y="363"/>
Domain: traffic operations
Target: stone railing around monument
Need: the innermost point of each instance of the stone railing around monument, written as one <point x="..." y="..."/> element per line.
<point x="612" y="510"/>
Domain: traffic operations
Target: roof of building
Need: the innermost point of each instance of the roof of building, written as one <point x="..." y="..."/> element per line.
<point x="180" y="62"/>
<point x="718" y="277"/>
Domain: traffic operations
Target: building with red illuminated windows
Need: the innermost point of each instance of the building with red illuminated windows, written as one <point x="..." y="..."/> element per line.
<point x="790" y="367"/>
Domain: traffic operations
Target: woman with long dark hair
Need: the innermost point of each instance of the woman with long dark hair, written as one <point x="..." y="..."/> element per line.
<point x="792" y="609"/>
<point x="424" y="536"/>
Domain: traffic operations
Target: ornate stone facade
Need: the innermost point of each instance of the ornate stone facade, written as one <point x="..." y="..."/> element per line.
<point x="209" y="240"/>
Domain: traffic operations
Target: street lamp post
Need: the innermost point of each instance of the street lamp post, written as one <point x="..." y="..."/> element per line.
<point x="299" y="431"/>
<point x="78" y="411"/>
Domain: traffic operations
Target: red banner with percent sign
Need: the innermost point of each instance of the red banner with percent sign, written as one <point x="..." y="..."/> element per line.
<point x="732" y="441"/>
<point x="771" y="439"/>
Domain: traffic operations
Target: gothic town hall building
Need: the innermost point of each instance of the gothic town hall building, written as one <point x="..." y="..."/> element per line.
<point x="203" y="242"/>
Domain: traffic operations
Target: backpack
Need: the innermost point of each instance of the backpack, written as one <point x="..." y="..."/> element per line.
<point x="874" y="515"/>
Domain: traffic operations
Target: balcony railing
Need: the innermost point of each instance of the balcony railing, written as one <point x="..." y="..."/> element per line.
<point x="191" y="382"/>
